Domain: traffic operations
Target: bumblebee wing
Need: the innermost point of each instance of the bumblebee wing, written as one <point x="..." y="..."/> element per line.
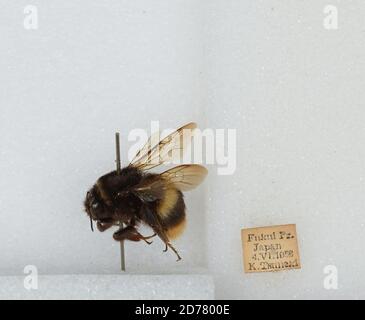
<point x="150" y="189"/>
<point x="145" y="152"/>
<point x="185" y="177"/>
<point x="168" y="149"/>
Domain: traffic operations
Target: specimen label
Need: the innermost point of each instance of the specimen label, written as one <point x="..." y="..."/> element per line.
<point x="269" y="249"/>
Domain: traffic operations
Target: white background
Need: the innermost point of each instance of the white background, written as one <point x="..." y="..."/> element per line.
<point x="293" y="90"/>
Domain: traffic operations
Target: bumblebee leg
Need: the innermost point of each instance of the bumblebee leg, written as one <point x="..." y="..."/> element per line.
<point x="165" y="239"/>
<point x="156" y="224"/>
<point x="169" y="245"/>
<point x="103" y="226"/>
<point x="148" y="242"/>
<point x="149" y="237"/>
<point x="173" y="249"/>
<point x="130" y="233"/>
<point x="145" y="239"/>
<point x="132" y="223"/>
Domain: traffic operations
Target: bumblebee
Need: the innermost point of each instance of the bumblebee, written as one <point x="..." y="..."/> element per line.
<point x="136" y="196"/>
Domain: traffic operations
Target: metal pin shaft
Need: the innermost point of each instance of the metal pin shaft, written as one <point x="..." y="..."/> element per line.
<point x="117" y="150"/>
<point x="118" y="162"/>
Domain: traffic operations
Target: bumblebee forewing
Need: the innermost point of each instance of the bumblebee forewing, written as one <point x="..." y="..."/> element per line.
<point x="152" y="142"/>
<point x="169" y="149"/>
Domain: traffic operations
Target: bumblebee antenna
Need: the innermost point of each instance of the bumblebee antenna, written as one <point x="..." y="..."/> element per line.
<point x="118" y="163"/>
<point x="91" y="224"/>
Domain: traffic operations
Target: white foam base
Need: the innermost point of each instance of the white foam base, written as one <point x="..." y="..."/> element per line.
<point x="123" y="286"/>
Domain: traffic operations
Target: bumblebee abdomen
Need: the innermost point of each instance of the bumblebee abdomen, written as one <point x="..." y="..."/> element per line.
<point x="171" y="210"/>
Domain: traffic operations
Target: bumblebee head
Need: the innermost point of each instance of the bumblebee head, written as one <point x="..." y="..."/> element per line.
<point x="94" y="206"/>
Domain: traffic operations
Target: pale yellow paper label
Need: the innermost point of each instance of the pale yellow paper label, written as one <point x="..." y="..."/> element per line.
<point x="269" y="249"/>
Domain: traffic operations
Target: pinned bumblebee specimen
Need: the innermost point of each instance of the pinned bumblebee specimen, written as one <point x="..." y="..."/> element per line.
<point x="132" y="195"/>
